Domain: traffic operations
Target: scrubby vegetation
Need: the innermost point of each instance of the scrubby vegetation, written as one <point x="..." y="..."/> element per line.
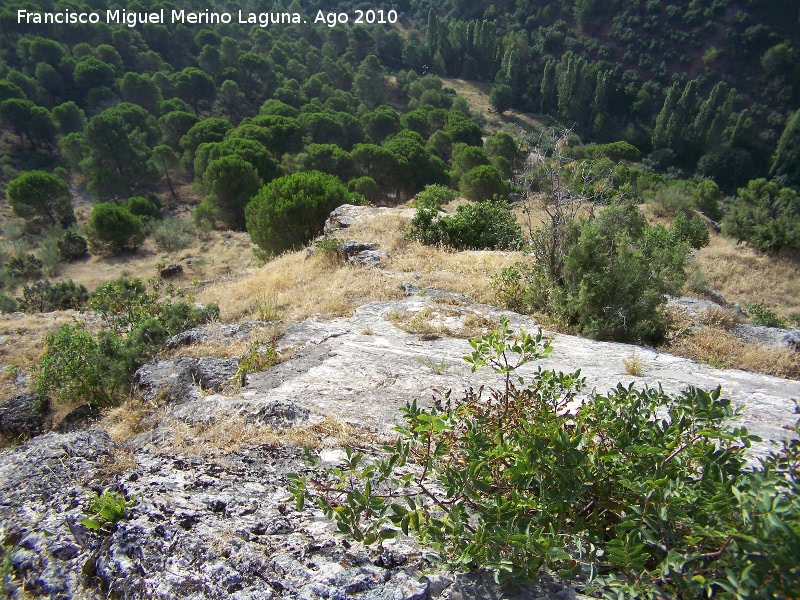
<point x="96" y="368"/>
<point x="649" y="126"/>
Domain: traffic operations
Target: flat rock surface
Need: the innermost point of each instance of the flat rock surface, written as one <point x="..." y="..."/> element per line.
<point x="219" y="524"/>
<point x="364" y="368"/>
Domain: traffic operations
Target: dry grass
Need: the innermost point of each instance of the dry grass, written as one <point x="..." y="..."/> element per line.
<point x="722" y="318"/>
<point x="125" y="421"/>
<point x="743" y="275"/>
<point x="634" y="365"/>
<point x="721" y="349"/>
<point x="302" y="287"/>
<point x="228" y="435"/>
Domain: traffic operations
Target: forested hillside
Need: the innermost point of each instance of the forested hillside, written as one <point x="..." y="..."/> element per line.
<point x="163" y="122"/>
<point x="707" y="86"/>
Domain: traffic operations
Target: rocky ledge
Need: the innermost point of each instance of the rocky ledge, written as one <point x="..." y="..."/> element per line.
<point x="211" y="518"/>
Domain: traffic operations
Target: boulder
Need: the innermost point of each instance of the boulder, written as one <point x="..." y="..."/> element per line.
<point x="22" y="416"/>
<point x="369" y="258"/>
<point x="171" y="271"/>
<point x="182" y="379"/>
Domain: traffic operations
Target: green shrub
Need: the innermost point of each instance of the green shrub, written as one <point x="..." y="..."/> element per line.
<point x="291" y="210"/>
<point x="761" y="314"/>
<point x="173" y="234"/>
<point x="71" y="369"/>
<point x="434" y="196"/>
<point x="144" y="208"/>
<point x="97" y="368"/>
<point x="24" y="267"/>
<point x="113" y="229"/>
<point x="44" y="296"/>
<point x="489" y="225"/>
<point x="672" y="199"/>
<point x="693" y="231"/>
<point x="611" y="282"/>
<point x="616" y="151"/>
<point x="482" y="183"/>
<point x="646" y="494"/>
<point x="73" y="246"/>
<point x="8" y="304"/>
<point x="364" y="186"/>
<point x="764" y="215"/>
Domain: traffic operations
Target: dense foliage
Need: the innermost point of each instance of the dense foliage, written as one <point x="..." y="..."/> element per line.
<point x="488" y="225"/>
<point x="292" y="210"/>
<point x="636" y="493"/>
<point x="78" y="365"/>
<point x="765" y="215"/>
<point x="611" y="280"/>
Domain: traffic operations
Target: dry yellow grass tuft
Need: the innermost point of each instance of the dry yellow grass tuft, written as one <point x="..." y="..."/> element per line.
<point x="719" y="348"/>
<point x="743" y="275"/>
<point x="634" y="365"/>
<point x="302" y="287"/>
<point x="228" y="435"/>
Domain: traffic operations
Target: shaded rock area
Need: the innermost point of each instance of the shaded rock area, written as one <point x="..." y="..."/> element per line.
<point x="184" y="379"/>
<point x="22" y="416"/>
<point x="219" y="524"/>
<point x="200" y="528"/>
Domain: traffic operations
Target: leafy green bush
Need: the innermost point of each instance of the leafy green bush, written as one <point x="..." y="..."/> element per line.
<point x="73" y="246"/>
<point x="144" y="208"/>
<point x="113" y="229"/>
<point x="434" y="196"/>
<point x="692" y="230"/>
<point x="44" y="296"/>
<point x="489" y="225"/>
<point x="291" y="210"/>
<point x="641" y="493"/>
<point x="24" y="267"/>
<point x="764" y="215"/>
<point x="611" y="282"/>
<point x="8" y="304"/>
<point x="97" y="369"/>
<point x="761" y="314"/>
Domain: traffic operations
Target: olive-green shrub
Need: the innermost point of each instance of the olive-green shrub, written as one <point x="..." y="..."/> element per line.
<point x="489" y="225"/>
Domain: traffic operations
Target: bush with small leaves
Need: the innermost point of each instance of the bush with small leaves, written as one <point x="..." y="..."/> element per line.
<point x="44" y="296"/>
<point x="8" y="304"/>
<point x="24" y="267"/>
<point x="97" y="368"/>
<point x="765" y="215"/>
<point x="146" y="209"/>
<point x="434" y="196"/>
<point x="489" y="225"/>
<point x="173" y="234"/>
<point x="692" y="230"/>
<point x="113" y="229"/>
<point x="639" y="493"/>
<point x="73" y="246"/>
<point x="291" y="210"/>
<point x="761" y="314"/>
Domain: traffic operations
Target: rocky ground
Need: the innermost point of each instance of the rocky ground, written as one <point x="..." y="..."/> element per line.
<point x="211" y="443"/>
<point x="213" y="522"/>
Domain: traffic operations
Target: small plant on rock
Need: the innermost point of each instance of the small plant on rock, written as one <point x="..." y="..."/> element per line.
<point x="105" y="510"/>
